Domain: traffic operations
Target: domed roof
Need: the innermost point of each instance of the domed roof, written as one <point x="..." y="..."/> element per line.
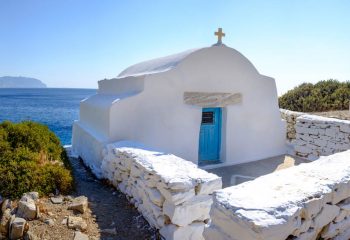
<point x="157" y="65"/>
<point x="167" y="63"/>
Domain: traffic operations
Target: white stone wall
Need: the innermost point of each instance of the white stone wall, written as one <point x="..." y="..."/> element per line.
<point x="173" y="194"/>
<point x="307" y="202"/>
<point x="291" y="119"/>
<point x="320" y="136"/>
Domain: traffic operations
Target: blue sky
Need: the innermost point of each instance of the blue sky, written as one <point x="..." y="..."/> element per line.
<point x="76" y="43"/>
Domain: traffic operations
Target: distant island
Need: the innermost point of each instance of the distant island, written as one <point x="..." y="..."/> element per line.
<point x="20" y="82"/>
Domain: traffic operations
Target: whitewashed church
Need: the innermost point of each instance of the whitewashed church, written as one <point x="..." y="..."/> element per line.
<point x="208" y="105"/>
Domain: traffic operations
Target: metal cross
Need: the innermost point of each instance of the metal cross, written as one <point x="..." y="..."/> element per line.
<point x="220" y="34"/>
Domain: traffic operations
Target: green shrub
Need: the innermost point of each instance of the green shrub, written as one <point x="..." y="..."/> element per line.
<point x="323" y="96"/>
<point x="32" y="159"/>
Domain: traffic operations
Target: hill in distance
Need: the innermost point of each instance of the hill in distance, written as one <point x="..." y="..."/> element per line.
<point x="20" y="82"/>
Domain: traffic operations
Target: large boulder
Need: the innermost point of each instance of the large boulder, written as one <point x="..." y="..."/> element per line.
<point x="27" y="208"/>
<point x="77" y="223"/>
<point x="79" y="204"/>
<point x="56" y="200"/>
<point x="32" y="195"/>
<point x="17" y="228"/>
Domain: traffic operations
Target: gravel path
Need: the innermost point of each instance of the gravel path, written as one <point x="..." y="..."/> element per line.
<point x="111" y="208"/>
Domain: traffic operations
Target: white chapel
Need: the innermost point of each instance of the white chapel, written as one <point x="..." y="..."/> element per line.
<point x="208" y="105"/>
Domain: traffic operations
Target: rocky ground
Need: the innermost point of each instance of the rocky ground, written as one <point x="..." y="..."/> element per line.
<point x="95" y="211"/>
<point x="111" y="208"/>
<point x="344" y="114"/>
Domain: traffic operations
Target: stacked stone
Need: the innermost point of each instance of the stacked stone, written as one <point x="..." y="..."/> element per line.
<point x="307" y="202"/>
<point x="173" y="194"/>
<point x="13" y="221"/>
<point x="320" y="136"/>
<point x="291" y="119"/>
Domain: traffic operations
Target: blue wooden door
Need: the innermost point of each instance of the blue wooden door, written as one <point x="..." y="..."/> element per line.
<point x="210" y="135"/>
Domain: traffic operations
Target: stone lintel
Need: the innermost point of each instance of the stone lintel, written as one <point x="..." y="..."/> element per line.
<point x="212" y="99"/>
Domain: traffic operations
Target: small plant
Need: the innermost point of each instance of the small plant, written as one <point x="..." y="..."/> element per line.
<point x="323" y="96"/>
<point x="32" y="159"/>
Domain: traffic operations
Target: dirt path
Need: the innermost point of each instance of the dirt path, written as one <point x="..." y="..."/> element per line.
<point x="110" y="208"/>
<point x="341" y="114"/>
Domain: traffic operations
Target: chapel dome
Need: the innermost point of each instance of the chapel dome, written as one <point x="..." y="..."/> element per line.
<point x="167" y="63"/>
<point x="157" y="65"/>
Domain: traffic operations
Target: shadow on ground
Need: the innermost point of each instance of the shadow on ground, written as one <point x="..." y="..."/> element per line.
<point x="236" y="174"/>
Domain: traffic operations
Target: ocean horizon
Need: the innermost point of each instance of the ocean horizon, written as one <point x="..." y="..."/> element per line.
<point x="55" y="107"/>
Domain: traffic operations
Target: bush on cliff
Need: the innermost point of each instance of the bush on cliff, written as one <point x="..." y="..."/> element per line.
<point x="323" y="96"/>
<point x="32" y="159"/>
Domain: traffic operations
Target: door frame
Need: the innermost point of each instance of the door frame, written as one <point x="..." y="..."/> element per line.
<point x="217" y="121"/>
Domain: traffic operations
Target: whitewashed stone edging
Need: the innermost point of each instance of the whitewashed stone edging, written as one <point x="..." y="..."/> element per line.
<point x="173" y="194"/>
<point x="320" y="136"/>
<point x="305" y="202"/>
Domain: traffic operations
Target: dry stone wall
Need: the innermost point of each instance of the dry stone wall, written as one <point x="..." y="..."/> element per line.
<point x="307" y="202"/>
<point x="291" y="119"/>
<point x="320" y="136"/>
<point x="173" y="194"/>
<point x="312" y="136"/>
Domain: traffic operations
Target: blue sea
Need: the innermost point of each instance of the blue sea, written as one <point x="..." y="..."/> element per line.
<point x="55" y="107"/>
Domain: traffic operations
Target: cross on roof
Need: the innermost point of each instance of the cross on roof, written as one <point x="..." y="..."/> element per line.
<point x="220" y="34"/>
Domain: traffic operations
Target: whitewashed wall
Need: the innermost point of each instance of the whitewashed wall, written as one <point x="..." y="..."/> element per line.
<point x="88" y="145"/>
<point x="150" y="108"/>
<point x="173" y="194"/>
<point x="307" y="202"/>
